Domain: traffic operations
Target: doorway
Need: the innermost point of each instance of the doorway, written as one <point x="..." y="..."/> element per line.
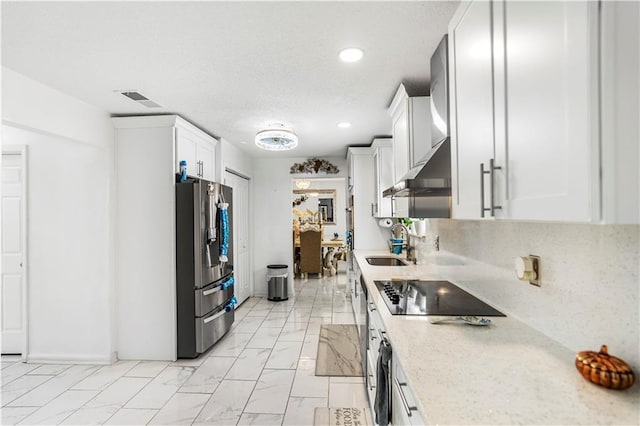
<point x="318" y="205"/>
<point x="241" y="256"/>
<point x="14" y="250"/>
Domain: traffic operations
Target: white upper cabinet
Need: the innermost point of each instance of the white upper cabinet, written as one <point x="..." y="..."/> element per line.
<point x="524" y="111"/>
<point x="548" y="83"/>
<point x="472" y="110"/>
<point x="197" y="149"/>
<point x="411" y="128"/>
<point x="383" y="175"/>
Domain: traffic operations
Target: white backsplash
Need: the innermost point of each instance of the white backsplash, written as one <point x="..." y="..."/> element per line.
<point x="590" y="278"/>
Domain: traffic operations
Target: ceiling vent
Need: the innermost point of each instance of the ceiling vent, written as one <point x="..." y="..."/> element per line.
<point x="141" y="99"/>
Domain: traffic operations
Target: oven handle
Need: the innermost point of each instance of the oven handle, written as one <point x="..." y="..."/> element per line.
<point x="403" y="398"/>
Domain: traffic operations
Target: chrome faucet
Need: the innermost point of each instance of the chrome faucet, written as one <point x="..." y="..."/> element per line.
<point x="411" y="250"/>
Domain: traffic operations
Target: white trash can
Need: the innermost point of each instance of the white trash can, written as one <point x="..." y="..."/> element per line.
<point x="278" y="282"/>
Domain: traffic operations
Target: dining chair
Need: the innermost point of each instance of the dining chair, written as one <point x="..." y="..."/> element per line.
<point x="311" y="252"/>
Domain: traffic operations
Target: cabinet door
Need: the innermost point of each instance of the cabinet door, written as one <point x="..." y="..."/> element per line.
<point x="401" y="142"/>
<point x="471" y="107"/>
<point x="205" y="152"/>
<point x="400" y="205"/>
<point x="548" y="96"/>
<point x="383" y="158"/>
<point x="420" y="135"/>
<point x="186" y="149"/>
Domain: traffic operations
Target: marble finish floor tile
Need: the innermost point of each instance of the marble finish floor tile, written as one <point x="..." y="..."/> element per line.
<point x="20" y="386"/>
<point x="14" y="415"/>
<point x="208" y="376"/>
<point x="147" y="369"/>
<point x="129" y="416"/>
<point x="261" y="419"/>
<point x="156" y="394"/>
<point x="284" y="355"/>
<point x="60" y="408"/>
<point x="105" y="376"/>
<point x="226" y="404"/>
<point x="55" y="386"/>
<point x="347" y="395"/>
<point x="90" y="416"/>
<point x="232" y="344"/>
<point x="271" y="392"/>
<point x="249" y="364"/>
<point x="343" y="318"/>
<point x="49" y="369"/>
<point x="265" y="337"/>
<point x="15" y="370"/>
<point x="119" y="393"/>
<point x="300" y="411"/>
<point x="306" y="383"/>
<point x="181" y="409"/>
<point x="248" y="325"/>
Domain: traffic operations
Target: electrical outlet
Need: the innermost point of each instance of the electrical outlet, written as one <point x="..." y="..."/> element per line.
<point x="528" y="269"/>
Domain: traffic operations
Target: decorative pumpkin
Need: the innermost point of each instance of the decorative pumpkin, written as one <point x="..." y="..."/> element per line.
<point x="603" y="369"/>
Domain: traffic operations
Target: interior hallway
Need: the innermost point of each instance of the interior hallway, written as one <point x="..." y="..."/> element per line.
<point x="260" y="373"/>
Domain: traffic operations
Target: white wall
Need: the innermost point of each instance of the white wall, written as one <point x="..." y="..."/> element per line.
<point x="590" y="274"/>
<point x="272" y="214"/>
<point x="70" y="259"/>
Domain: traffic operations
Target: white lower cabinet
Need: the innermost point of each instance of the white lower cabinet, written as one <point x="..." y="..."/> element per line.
<point x="404" y="409"/>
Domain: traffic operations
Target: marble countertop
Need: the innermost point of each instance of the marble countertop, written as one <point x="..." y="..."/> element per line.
<point x="505" y="373"/>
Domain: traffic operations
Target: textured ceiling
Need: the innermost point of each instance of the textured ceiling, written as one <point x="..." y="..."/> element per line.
<point x="234" y="67"/>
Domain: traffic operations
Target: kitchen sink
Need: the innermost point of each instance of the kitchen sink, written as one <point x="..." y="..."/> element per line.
<point x="385" y="261"/>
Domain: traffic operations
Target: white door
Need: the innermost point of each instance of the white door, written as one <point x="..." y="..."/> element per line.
<point x="13" y="250"/>
<point x="240" y="208"/>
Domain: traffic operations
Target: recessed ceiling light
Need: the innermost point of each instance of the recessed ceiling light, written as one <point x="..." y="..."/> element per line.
<point x="351" y="54"/>
<point x="344" y="125"/>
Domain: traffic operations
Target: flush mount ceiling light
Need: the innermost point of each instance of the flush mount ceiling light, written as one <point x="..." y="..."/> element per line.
<point x="351" y="54"/>
<point x="276" y="137"/>
<point x="344" y="125"/>
<point x="303" y="183"/>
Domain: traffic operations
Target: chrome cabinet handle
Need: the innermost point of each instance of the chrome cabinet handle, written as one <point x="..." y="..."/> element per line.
<point x="407" y="408"/>
<point x="492" y="169"/>
<point x="492" y="208"/>
<point x="482" y="173"/>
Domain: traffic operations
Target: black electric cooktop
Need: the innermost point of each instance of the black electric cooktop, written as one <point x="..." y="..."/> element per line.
<point x="432" y="298"/>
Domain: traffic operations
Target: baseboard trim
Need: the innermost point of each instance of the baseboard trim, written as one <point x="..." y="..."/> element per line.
<point x="70" y="359"/>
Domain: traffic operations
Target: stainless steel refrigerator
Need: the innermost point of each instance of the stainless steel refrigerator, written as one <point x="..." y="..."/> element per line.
<point x="204" y="265"/>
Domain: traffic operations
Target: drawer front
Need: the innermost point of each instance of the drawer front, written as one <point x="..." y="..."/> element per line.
<point x="211" y="328"/>
<point x="210" y="297"/>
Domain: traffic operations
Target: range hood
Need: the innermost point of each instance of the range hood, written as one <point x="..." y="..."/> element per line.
<point x="431" y="177"/>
